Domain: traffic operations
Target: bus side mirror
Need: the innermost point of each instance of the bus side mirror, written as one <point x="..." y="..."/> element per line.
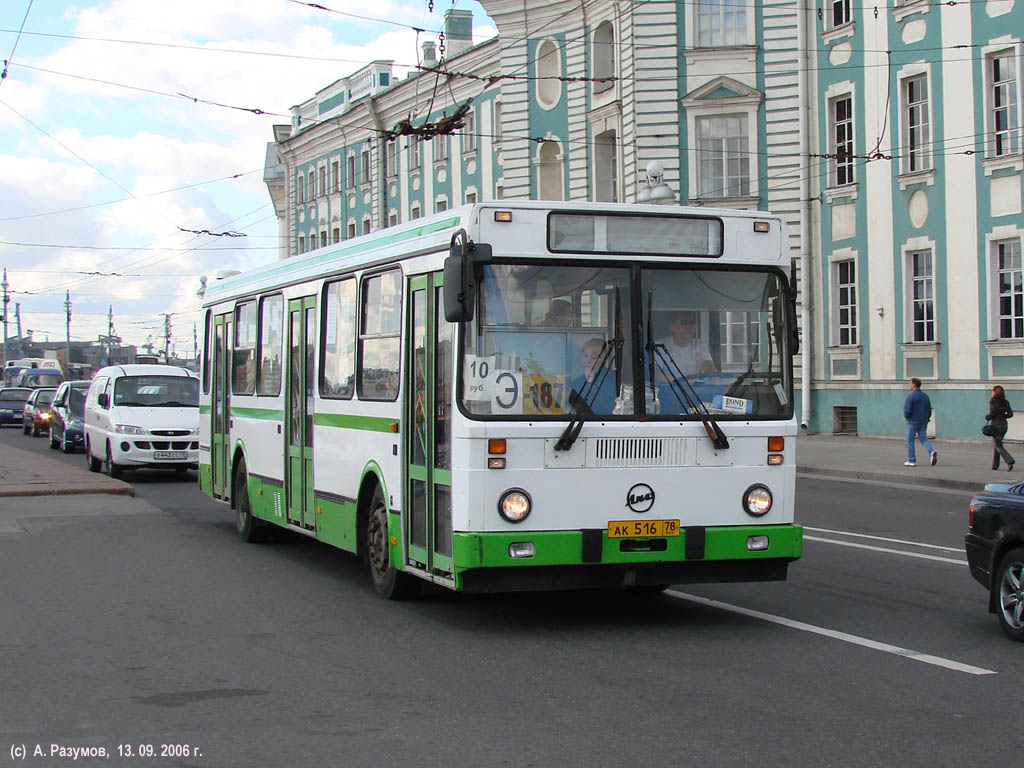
<point x="460" y="277"/>
<point x="459" y="288"/>
<point x="103" y="400"/>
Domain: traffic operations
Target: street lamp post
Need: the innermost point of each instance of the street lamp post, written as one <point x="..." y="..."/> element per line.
<point x="656" y="190"/>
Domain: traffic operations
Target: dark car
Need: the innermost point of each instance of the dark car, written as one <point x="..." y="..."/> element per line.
<point x="37" y="414"/>
<point x="12" y="404"/>
<point x="66" y="427"/>
<point x="995" y="552"/>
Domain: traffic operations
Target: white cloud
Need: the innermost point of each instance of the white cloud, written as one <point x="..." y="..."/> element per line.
<point x="151" y="143"/>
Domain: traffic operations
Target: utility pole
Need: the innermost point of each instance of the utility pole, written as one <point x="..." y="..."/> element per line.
<point x="167" y="337"/>
<point x="17" y="317"/>
<point x="110" y="334"/>
<point x="195" y="342"/>
<point x="4" y="309"/>
<point x="67" y="345"/>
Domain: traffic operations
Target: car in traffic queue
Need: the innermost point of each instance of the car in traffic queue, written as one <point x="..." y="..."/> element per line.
<point x="142" y="416"/>
<point x="67" y="428"/>
<point x="37" y="414"/>
<point x="995" y="552"/>
<point x="12" y="404"/>
<point x="39" y="378"/>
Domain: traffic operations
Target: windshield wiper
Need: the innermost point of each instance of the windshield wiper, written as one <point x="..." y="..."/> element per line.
<point x="582" y="406"/>
<point x="681" y="387"/>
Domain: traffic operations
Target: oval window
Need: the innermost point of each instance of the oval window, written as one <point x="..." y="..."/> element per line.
<point x="549" y="87"/>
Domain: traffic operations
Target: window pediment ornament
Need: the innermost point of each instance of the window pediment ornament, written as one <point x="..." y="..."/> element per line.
<point x="722" y="91"/>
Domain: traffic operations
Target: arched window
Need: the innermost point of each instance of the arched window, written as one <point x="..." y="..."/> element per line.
<point x="604" y="55"/>
<point x="549" y="88"/>
<point x="549" y="171"/>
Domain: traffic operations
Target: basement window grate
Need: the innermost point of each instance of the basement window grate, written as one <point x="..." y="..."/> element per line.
<point x="844" y="420"/>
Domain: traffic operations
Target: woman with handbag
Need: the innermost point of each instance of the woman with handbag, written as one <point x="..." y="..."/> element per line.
<point x="998" y="412"/>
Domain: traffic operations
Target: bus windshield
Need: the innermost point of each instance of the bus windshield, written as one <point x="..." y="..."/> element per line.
<point x="156" y="391"/>
<point x="653" y="343"/>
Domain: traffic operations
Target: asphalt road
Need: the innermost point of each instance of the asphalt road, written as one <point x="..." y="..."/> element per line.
<point x="159" y="627"/>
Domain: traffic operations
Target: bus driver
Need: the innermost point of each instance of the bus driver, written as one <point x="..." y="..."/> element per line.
<point x="689" y="353"/>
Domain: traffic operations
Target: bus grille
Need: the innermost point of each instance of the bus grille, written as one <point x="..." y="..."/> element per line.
<point x="637" y="452"/>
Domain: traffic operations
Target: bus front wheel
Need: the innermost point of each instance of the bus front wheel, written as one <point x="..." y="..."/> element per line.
<point x="388" y="582"/>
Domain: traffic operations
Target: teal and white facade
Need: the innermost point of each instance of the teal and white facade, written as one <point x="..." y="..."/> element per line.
<point x="887" y="138"/>
<point x="919" y="272"/>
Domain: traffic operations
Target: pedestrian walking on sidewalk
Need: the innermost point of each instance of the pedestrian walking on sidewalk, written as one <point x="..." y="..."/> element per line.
<point x="917" y="410"/>
<point x="998" y="412"/>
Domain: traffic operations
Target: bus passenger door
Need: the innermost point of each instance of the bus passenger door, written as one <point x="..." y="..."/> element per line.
<point x="220" y="401"/>
<point x="299" y="412"/>
<point x="429" y="385"/>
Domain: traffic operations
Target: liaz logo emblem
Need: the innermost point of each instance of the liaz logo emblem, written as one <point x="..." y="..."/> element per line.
<point x="640" y="497"/>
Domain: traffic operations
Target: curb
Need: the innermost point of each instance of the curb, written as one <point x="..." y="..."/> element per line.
<point x="22" y="491"/>
<point x="956" y="485"/>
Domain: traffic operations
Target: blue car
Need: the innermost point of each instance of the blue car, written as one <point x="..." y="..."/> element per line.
<point x="12" y="404"/>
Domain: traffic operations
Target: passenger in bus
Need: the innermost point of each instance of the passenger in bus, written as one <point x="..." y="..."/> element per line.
<point x="559" y="314"/>
<point x="602" y="402"/>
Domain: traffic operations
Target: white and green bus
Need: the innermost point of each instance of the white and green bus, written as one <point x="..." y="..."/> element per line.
<point x="516" y="396"/>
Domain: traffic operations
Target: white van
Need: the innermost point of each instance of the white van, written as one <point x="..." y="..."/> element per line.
<point x="142" y="416"/>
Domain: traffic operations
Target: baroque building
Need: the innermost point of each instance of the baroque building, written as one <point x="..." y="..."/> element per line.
<point x="919" y="269"/>
<point x="888" y="138"/>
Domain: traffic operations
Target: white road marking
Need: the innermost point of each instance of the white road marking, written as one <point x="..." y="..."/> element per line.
<point x="887" y="550"/>
<point x="864" y="642"/>
<point x="883" y="538"/>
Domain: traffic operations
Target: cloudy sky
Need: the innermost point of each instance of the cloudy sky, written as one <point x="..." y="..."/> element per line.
<point x="106" y="155"/>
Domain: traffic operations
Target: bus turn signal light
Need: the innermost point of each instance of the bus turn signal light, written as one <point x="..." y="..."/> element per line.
<point x="505" y="216"/>
<point x="776" y="444"/>
<point x="774" y="459"/>
<point x="496" y="445"/>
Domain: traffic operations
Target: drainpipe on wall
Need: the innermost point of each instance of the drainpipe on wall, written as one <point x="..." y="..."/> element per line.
<point x="806" y="246"/>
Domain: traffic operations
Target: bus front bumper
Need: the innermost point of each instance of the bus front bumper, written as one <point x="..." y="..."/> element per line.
<point x="590" y="559"/>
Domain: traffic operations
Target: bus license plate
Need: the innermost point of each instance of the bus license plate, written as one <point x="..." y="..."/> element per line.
<point x="170" y="455"/>
<point x="624" y="529"/>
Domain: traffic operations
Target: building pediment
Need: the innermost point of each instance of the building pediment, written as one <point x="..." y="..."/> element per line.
<point x="721" y="90"/>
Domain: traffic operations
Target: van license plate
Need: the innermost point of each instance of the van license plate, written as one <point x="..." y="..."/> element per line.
<point x="170" y="454"/>
<point x="626" y="529"/>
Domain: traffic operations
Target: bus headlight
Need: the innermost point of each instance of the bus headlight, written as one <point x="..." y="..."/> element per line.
<point x="514" y="505"/>
<point x="757" y="500"/>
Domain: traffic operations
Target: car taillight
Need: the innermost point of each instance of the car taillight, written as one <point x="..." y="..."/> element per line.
<point x="970" y="517"/>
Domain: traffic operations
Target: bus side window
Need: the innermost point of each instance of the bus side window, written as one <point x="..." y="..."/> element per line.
<point x="243" y="359"/>
<point x="270" y="338"/>
<point x="380" y="324"/>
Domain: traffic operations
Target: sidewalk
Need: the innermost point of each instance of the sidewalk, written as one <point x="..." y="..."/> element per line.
<point x="23" y="473"/>
<point x="962" y="465"/>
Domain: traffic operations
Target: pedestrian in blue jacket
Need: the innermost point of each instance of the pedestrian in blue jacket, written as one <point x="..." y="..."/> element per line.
<point x="917" y="410"/>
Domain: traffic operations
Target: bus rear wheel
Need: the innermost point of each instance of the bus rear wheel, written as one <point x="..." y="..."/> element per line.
<point x="388" y="582"/>
<point x="250" y="529"/>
